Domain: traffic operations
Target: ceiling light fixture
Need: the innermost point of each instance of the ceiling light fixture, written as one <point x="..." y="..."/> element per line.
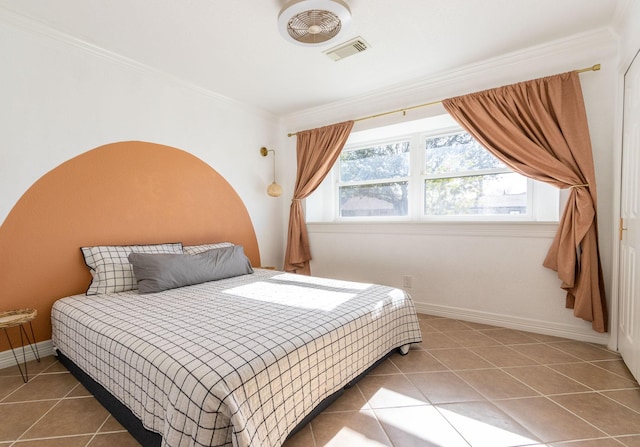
<point x="313" y="22"/>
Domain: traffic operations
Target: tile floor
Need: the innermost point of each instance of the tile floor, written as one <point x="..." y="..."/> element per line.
<point x="466" y="385"/>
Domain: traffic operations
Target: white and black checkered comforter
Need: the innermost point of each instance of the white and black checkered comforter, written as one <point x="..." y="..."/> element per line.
<point x="239" y="361"/>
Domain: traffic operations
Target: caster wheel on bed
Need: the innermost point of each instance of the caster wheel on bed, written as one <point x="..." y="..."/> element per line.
<point x="404" y="349"/>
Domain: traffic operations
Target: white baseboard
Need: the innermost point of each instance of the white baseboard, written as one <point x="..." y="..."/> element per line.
<point x="507" y="321"/>
<point x="45" y="348"/>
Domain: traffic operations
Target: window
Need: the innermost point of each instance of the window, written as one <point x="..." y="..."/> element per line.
<point x="374" y="180"/>
<point x="461" y="178"/>
<point x="426" y="170"/>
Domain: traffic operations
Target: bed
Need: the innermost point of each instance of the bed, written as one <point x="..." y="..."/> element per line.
<point x="242" y="360"/>
<point x="239" y="361"/>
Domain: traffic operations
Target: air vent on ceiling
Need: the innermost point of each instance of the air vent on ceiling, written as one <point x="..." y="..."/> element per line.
<point x="354" y="46"/>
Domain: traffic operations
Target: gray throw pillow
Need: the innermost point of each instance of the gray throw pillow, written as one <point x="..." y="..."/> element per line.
<point x="158" y="272"/>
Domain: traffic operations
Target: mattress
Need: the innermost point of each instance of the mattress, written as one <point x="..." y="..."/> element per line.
<point x="236" y="362"/>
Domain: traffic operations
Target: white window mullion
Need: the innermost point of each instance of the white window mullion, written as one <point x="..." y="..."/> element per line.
<point x="416" y="198"/>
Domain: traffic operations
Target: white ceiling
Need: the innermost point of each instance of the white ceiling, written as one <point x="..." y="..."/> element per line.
<point x="234" y="48"/>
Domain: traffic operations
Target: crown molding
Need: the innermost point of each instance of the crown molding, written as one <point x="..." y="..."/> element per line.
<point x="33" y="26"/>
<point x="533" y="62"/>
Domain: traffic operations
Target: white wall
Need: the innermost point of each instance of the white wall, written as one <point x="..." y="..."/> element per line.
<point x="485" y="273"/>
<point x="61" y="97"/>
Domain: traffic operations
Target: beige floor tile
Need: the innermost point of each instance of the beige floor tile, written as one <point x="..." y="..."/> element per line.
<point x="18" y="417"/>
<point x="385" y="367"/>
<point x="602" y="442"/>
<point x="630" y="441"/>
<point x="472" y="338"/>
<point x="350" y="400"/>
<point x="79" y="391"/>
<point x="460" y="358"/>
<point x="113" y="439"/>
<point x="543" y="337"/>
<point x="509" y="336"/>
<point x="437" y="340"/>
<point x="615" y="366"/>
<point x="482" y="424"/>
<point x="416" y="346"/>
<point x="609" y="416"/>
<point x="585" y="351"/>
<point x="544" y="354"/>
<point x="8" y="384"/>
<point x="67" y="441"/>
<point x="33" y="367"/>
<point x="417" y="361"/>
<point x="303" y="438"/>
<point x="70" y="417"/>
<point x="421" y="426"/>
<point x="629" y="398"/>
<point x="496" y="384"/>
<point x="545" y="380"/>
<point x="447" y="324"/>
<point x="352" y="428"/>
<point x="422" y="316"/>
<point x="390" y="391"/>
<point x="111" y="424"/>
<point x="502" y="356"/>
<point x="594" y="377"/>
<point x="426" y="328"/>
<point x="479" y="326"/>
<point x="55" y="367"/>
<point x="444" y="387"/>
<point x="547" y="420"/>
<point x="402" y="389"/>
<point x="44" y="386"/>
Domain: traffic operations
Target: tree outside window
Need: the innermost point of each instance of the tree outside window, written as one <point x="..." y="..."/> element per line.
<point x="463" y="178"/>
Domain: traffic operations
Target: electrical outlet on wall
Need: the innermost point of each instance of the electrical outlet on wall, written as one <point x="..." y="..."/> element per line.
<point x="407" y="282"/>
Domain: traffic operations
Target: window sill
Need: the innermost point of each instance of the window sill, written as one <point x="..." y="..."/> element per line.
<point x="480" y="229"/>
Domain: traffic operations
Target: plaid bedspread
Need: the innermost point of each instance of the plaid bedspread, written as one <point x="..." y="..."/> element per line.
<point x="239" y="361"/>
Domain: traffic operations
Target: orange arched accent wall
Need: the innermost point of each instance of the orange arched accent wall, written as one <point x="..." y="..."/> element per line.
<point x="118" y="194"/>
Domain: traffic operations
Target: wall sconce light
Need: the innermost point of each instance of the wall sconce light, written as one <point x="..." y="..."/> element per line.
<point x="274" y="190"/>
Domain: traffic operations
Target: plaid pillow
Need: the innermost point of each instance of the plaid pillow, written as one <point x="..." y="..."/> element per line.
<point x="111" y="269"/>
<point x="196" y="249"/>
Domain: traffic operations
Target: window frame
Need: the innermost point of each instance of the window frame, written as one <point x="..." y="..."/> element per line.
<point x="544" y="202"/>
<point x="424" y="176"/>
<point x="337" y="183"/>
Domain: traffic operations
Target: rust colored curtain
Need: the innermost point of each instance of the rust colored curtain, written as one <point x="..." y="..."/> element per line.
<point x="539" y="129"/>
<point x="317" y="150"/>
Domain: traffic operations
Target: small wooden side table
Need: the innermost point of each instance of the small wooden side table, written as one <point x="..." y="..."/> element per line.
<point x="19" y="318"/>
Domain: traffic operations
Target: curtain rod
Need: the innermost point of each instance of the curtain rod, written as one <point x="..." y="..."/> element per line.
<point x="404" y="110"/>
